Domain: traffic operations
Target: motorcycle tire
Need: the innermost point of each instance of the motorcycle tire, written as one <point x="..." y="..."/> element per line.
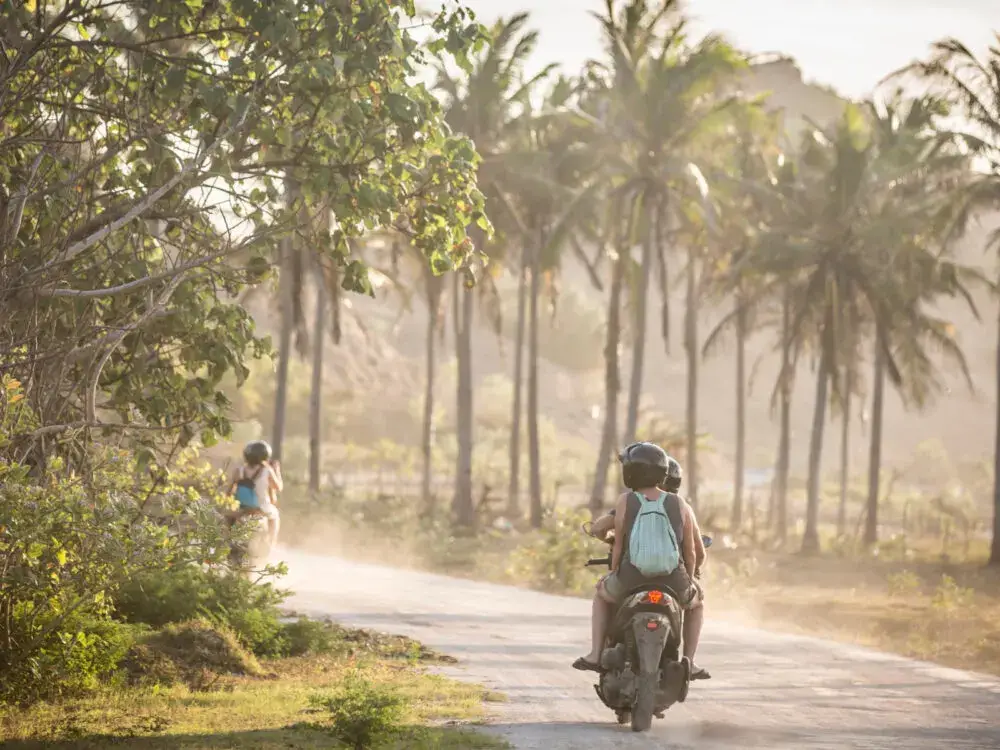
<point x="645" y="698"/>
<point x="686" y="663"/>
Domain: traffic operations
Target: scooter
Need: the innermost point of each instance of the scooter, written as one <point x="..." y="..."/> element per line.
<point x="643" y="673"/>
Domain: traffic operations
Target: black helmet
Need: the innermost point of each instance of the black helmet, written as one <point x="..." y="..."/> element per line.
<point x="648" y="465"/>
<point x="257" y="452"/>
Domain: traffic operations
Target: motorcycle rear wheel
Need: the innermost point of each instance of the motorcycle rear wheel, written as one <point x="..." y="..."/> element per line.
<point x="645" y="698"/>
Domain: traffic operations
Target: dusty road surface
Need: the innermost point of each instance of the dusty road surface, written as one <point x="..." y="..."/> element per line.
<point x="767" y="691"/>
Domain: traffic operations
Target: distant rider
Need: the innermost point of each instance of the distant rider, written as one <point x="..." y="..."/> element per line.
<point x="646" y="468"/>
<point x="256" y="485"/>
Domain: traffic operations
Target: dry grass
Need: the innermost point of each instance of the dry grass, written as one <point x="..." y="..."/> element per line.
<point x="251" y="713"/>
<point x="949" y="614"/>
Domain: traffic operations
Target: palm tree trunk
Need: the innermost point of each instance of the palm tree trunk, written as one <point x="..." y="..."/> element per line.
<point x="783" y="466"/>
<point x="810" y="539"/>
<point x="639" y="335"/>
<point x="534" y="454"/>
<point x="316" y="388"/>
<point x="741" y="417"/>
<point x="875" y="448"/>
<point x="514" y="490"/>
<point x="691" y="346"/>
<point x="427" y="430"/>
<point x="995" y="547"/>
<point x="611" y="387"/>
<point x="845" y="457"/>
<point x="462" y="507"/>
<point x="287" y="307"/>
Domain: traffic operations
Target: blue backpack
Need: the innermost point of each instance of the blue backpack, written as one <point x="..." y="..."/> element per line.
<point x="246" y="489"/>
<point x="653" y="547"/>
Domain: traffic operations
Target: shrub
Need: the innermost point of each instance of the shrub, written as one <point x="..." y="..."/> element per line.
<point x="902" y="584"/>
<point x="362" y="712"/>
<point x="67" y="544"/>
<point x="308" y="636"/>
<point x="249" y="608"/>
<point x="554" y="558"/>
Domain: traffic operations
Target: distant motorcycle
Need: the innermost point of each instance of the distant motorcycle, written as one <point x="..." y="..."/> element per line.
<point x="253" y="553"/>
<point x="643" y="672"/>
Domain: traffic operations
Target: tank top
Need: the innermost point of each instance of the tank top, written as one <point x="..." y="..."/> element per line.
<point x="628" y="575"/>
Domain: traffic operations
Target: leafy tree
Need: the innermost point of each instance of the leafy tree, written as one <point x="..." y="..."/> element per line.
<point x="127" y="229"/>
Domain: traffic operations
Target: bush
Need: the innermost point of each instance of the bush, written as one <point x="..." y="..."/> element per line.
<point x="363" y="713"/>
<point x="196" y="653"/>
<point x="308" y="636"/>
<point x="554" y="558"/>
<point x="171" y="596"/>
<point x="66" y="545"/>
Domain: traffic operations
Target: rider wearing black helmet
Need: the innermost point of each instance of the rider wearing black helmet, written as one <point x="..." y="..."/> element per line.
<point x="647" y="470"/>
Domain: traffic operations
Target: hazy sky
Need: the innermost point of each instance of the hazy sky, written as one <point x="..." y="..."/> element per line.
<point x="847" y="44"/>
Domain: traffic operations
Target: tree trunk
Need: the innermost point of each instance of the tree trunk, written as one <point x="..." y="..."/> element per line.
<point x="462" y="505"/>
<point x="783" y="467"/>
<point x="875" y="448"/>
<point x="741" y="418"/>
<point x="611" y="386"/>
<point x="514" y="489"/>
<point x="316" y="388"/>
<point x="845" y="457"/>
<point x="287" y="308"/>
<point x="534" y="454"/>
<point x="427" y="431"/>
<point x="639" y="335"/>
<point x="691" y="346"/>
<point x="810" y="539"/>
<point x="995" y="547"/>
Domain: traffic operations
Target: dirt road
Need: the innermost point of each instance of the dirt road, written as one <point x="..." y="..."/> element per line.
<point x="768" y="690"/>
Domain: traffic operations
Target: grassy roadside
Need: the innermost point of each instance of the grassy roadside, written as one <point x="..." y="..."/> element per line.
<point x="272" y="710"/>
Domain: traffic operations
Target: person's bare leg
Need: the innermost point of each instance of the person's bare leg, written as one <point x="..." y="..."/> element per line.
<point x="599" y="617"/>
<point x="694" y="619"/>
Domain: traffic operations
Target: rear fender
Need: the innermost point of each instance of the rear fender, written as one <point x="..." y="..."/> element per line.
<point x="650" y="631"/>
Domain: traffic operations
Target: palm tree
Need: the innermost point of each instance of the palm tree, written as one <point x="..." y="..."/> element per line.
<point x="823" y="264"/>
<point x="972" y="85"/>
<point x="434" y="288"/>
<point x="483" y="104"/>
<point x="654" y="102"/>
<point x="750" y="149"/>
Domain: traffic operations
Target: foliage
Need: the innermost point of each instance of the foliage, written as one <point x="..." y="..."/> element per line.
<point x="125" y="231"/>
<point x="553" y="558"/>
<point x="66" y="546"/>
<point x="363" y="713"/>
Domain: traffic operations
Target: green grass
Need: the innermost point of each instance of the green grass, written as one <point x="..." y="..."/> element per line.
<point x="263" y="713"/>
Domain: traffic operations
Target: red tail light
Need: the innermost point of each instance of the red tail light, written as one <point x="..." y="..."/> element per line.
<point x="654" y="597"/>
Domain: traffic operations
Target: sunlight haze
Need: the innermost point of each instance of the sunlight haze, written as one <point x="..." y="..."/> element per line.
<point x="847" y="44"/>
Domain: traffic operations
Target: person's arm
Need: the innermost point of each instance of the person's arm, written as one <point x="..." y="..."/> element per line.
<point x="603" y="525"/>
<point x="234" y="477"/>
<point x="688" y="546"/>
<point x="616" y="553"/>
<point x="276" y="483"/>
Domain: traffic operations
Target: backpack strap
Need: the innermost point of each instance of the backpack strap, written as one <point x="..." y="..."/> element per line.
<point x="672" y="504"/>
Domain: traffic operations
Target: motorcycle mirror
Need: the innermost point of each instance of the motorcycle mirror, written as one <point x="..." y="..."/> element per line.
<point x="706" y="540"/>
